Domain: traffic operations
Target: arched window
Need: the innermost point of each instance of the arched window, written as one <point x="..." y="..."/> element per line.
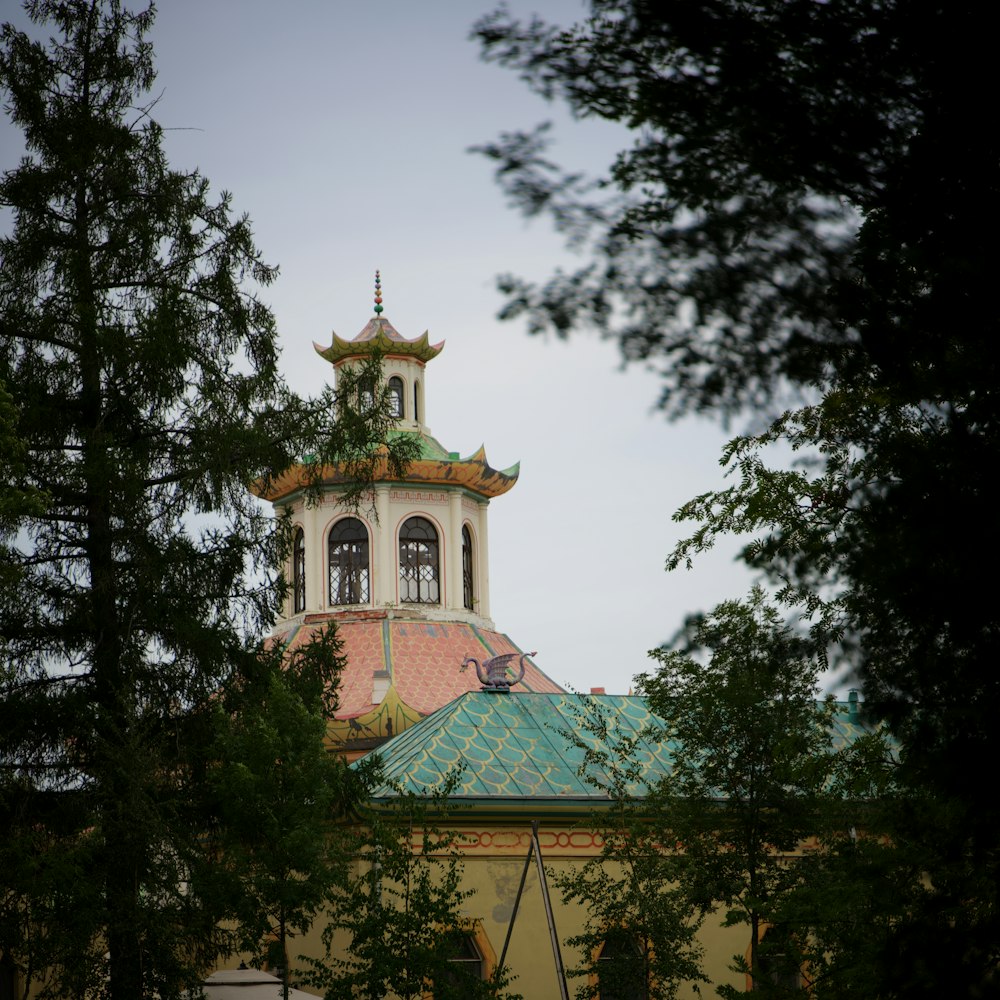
<point x="778" y="959"/>
<point x="299" y="571"/>
<point x="621" y="968"/>
<point x="348" y="562"/>
<point x="416" y="401"/>
<point x="395" y="396"/>
<point x="468" y="590"/>
<point x="366" y="395"/>
<point x="419" y="577"/>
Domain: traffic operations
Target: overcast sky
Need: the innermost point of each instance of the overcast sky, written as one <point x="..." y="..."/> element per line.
<point x="342" y="128"/>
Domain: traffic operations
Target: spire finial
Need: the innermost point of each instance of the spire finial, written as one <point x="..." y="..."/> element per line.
<point x="378" y="293"/>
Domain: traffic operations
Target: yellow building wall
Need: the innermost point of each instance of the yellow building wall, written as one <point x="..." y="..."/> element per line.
<point x="494" y="858"/>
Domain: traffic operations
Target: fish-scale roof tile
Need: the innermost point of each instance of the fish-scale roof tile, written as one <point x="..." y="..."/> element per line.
<point x="524" y="745"/>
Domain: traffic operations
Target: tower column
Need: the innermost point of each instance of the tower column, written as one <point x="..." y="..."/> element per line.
<point x="454" y="589"/>
<point x="312" y="515"/>
<point x="384" y="558"/>
<point x="484" y="562"/>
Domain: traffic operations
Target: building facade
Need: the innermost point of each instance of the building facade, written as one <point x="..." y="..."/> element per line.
<point x="405" y="579"/>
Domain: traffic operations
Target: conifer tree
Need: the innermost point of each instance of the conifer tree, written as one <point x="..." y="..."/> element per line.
<point x="277" y="850"/>
<point x="142" y="369"/>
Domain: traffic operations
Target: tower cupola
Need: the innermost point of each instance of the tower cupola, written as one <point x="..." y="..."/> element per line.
<point x="405" y="576"/>
<point x="421" y="543"/>
<point x="403" y="361"/>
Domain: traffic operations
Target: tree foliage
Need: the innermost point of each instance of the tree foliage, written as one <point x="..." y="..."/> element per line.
<point x="752" y="754"/>
<point x="16" y="502"/>
<point x="798" y="182"/>
<point x="805" y="202"/>
<point x="711" y="250"/>
<point x="767" y="820"/>
<point x="275" y="791"/>
<point x="639" y="935"/>
<point x="847" y="538"/>
<point x="397" y="918"/>
<point x="862" y="872"/>
<point x="145" y="396"/>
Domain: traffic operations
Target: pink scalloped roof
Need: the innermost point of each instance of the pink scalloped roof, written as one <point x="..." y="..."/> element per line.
<point x="423" y="659"/>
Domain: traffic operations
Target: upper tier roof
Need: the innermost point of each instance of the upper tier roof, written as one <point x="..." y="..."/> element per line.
<point x="379" y="335"/>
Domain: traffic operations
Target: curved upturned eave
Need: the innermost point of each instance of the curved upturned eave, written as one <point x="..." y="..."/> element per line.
<point x="420" y="348"/>
<point x="474" y="474"/>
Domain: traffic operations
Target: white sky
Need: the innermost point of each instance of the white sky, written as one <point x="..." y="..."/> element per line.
<point x="341" y="127"/>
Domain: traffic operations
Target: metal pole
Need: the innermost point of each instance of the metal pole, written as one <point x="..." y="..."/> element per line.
<point x="517" y="903"/>
<point x="560" y="971"/>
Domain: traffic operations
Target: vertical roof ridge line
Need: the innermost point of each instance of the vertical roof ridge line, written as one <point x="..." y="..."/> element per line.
<point x="479" y="635"/>
<point x="387" y="650"/>
<point x="290" y="637"/>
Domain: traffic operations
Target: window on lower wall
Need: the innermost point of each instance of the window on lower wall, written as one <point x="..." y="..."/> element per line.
<point x="348" y="562"/>
<point x="472" y="959"/>
<point x="778" y="959"/>
<point x="298" y="571"/>
<point x="621" y="969"/>
<point x="419" y="573"/>
<point x="466" y="962"/>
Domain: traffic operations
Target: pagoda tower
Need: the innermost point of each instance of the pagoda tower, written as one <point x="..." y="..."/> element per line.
<point x="405" y="577"/>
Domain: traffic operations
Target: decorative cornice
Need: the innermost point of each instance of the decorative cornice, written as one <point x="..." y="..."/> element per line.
<point x="474" y="474"/>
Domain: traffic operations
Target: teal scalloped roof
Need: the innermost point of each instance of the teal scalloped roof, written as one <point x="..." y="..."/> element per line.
<point x="530" y="746"/>
<point x="513" y="746"/>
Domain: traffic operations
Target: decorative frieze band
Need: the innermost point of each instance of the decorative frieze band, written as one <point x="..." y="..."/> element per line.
<point x="506" y="842"/>
<point x="366" y="501"/>
<point x="417" y="496"/>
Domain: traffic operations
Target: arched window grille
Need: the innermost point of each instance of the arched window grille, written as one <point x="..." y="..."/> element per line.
<point x="348" y="562"/>
<point x="468" y="589"/>
<point x="299" y="571"/>
<point x="395" y="396"/>
<point x="366" y="395"/>
<point x="419" y="576"/>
